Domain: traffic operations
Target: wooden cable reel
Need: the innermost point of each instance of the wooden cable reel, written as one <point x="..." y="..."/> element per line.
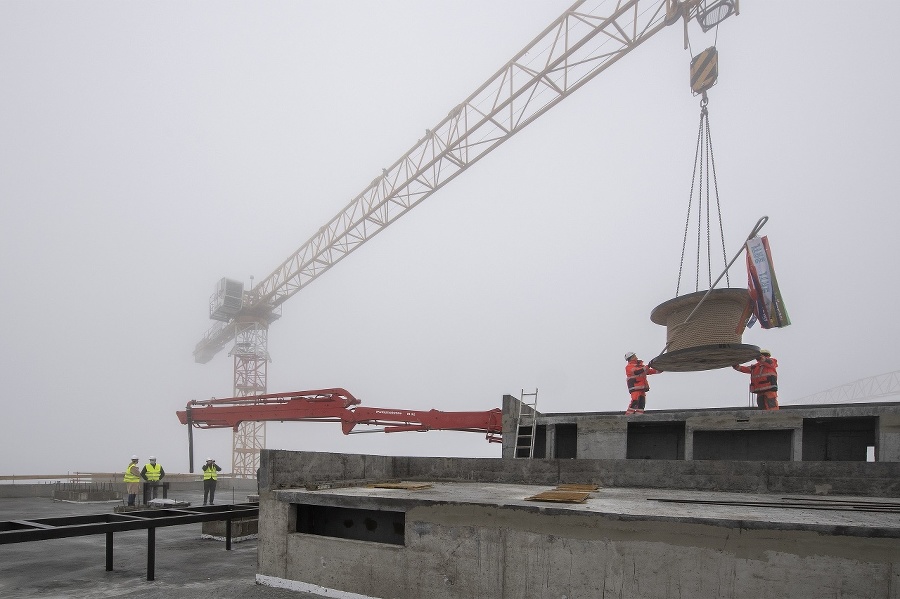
<point x="711" y="338"/>
<point x="704" y="328"/>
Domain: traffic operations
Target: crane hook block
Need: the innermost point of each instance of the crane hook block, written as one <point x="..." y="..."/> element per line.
<point x="704" y="70"/>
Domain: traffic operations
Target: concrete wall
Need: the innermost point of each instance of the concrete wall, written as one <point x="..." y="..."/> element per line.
<point x="26" y="490"/>
<point x="889" y="438"/>
<point x="461" y="549"/>
<point x="465" y="551"/>
<point x="225" y="487"/>
<point x="285" y="469"/>
<point x="604" y="435"/>
<point x="607" y="438"/>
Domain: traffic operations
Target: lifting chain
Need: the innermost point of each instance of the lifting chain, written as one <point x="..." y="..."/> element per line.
<point x="704" y="167"/>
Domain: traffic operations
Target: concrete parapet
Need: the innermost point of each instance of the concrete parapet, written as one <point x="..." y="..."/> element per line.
<point x="26" y="490"/>
<point x="284" y="469"/>
<point x="239" y="487"/>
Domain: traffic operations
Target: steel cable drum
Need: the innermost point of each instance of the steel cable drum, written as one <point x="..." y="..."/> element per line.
<point x="711" y="337"/>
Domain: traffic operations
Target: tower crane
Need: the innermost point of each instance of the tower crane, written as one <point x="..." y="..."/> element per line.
<point x="576" y="47"/>
<point x="867" y="389"/>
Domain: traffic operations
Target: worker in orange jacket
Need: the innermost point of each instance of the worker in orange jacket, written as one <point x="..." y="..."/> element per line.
<point x="636" y="374"/>
<point x="763" y="379"/>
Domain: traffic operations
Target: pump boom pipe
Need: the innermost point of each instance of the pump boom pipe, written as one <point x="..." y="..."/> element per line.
<point x="334" y="405"/>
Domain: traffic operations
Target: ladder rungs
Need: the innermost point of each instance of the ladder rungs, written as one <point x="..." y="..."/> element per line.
<point x="526" y="425"/>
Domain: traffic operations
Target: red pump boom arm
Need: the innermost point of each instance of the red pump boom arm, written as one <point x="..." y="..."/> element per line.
<point x="334" y="405"/>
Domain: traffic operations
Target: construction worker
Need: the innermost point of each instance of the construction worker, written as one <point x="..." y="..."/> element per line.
<point x="636" y="374"/>
<point x="210" y="476"/>
<point x="763" y="379"/>
<point x="132" y="479"/>
<point x="152" y="473"/>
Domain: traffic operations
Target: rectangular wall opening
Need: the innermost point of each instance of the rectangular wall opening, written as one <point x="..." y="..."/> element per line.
<point x="540" y="442"/>
<point x="566" y="441"/>
<point x="655" y="441"/>
<point x="753" y="445"/>
<point x="839" y="439"/>
<point x="376" y="526"/>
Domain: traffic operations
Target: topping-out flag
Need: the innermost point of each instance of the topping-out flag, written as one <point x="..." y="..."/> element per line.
<point x="768" y="307"/>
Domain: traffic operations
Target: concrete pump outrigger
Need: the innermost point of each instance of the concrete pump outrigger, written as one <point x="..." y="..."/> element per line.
<point x="331" y="405"/>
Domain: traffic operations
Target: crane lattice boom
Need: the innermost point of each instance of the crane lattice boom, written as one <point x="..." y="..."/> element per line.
<point x="867" y="389"/>
<point x="579" y="45"/>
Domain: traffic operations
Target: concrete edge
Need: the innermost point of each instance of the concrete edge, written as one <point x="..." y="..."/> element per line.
<point x="305" y="587"/>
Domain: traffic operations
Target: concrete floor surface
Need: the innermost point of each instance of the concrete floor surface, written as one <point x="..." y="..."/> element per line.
<point x="186" y="565"/>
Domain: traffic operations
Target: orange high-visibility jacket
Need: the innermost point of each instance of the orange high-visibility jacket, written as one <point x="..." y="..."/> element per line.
<point x="763" y="375"/>
<point x="636" y="374"/>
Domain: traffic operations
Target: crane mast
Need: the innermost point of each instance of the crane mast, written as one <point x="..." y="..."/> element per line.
<point x="575" y="48"/>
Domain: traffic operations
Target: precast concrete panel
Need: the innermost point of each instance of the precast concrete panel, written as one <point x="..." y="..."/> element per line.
<point x="888" y="443"/>
<point x="602" y="439"/>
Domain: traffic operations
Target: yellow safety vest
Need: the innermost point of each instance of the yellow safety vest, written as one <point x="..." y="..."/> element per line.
<point x="209" y="473"/>
<point x="153" y="472"/>
<point x="129" y="477"/>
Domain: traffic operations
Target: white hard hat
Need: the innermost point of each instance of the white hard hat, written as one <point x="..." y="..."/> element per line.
<point x="209" y="460"/>
<point x="629" y="355"/>
<point x="153" y="458"/>
<point x="134" y="457"/>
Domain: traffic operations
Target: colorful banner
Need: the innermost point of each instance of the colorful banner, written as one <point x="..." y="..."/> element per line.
<point x="768" y="307"/>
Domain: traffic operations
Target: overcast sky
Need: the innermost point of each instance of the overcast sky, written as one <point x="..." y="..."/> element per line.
<point x="149" y="149"/>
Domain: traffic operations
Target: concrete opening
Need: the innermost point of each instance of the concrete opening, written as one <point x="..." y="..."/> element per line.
<point x="540" y="441"/>
<point x="376" y="526"/>
<point x="839" y="439"/>
<point x="761" y="445"/>
<point x="566" y="442"/>
<point x="655" y="441"/>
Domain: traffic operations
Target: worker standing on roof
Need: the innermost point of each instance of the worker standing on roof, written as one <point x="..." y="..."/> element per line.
<point x="763" y="379"/>
<point x="132" y="479"/>
<point x="636" y="373"/>
<point x="152" y="473"/>
<point x="210" y="476"/>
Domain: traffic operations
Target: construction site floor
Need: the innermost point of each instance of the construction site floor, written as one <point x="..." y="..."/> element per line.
<point x="187" y="566"/>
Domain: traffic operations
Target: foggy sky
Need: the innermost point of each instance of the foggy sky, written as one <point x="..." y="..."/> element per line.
<point x="149" y="149"/>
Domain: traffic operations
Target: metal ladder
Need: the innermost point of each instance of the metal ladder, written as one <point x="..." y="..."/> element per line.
<point x="525" y="425"/>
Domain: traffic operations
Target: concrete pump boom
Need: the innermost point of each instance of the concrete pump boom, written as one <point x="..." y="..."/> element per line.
<point x="332" y="405"/>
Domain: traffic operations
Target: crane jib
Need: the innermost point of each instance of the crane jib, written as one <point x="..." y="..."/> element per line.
<point x="576" y="47"/>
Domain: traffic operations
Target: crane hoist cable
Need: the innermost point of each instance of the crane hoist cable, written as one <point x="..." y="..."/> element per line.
<point x="703" y="328"/>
